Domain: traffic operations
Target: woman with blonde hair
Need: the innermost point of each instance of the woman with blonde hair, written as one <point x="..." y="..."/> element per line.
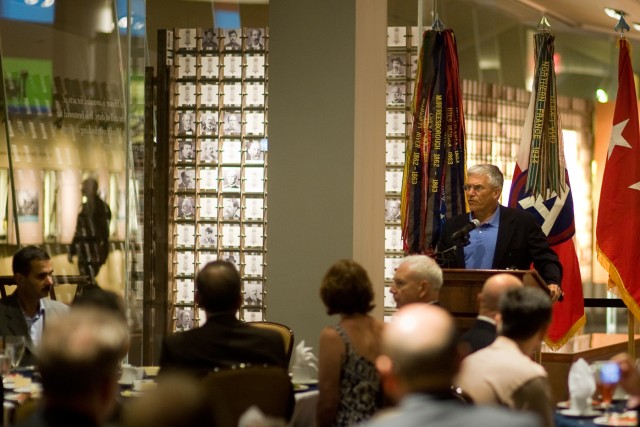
<point x="350" y="390"/>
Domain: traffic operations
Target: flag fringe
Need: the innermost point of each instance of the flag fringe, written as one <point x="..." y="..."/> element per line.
<point x="555" y="345"/>
<point x="616" y="280"/>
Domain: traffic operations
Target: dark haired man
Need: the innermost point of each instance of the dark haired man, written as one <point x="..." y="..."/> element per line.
<point x="25" y="312"/>
<point x="223" y="341"/>
<point x="503" y="373"/>
<point x="232" y="44"/>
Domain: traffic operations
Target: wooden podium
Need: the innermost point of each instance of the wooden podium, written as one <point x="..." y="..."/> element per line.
<point x="460" y="289"/>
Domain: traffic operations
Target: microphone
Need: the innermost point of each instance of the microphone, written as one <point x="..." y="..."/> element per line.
<point x="465" y="230"/>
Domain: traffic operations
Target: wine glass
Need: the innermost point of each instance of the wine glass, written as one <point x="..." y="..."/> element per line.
<point x="607" y="376"/>
<point x="14" y="349"/>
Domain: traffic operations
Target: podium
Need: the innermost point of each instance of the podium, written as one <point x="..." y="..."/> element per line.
<point x="460" y="289"/>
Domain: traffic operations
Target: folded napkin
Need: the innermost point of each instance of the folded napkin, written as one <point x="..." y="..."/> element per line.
<point x="582" y="385"/>
<point x="304" y="365"/>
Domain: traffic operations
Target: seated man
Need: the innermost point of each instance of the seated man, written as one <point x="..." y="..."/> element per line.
<point x="224" y="340"/>
<point x="503" y="373"/>
<point x="418" y="278"/>
<point x="25" y="312"/>
<point x="417" y="366"/>
<point x="483" y="332"/>
<point x="79" y="357"/>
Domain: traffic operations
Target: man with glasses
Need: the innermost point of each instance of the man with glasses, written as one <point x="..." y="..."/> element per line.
<point x="505" y="238"/>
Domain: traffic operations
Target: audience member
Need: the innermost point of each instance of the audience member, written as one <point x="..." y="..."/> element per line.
<point x="483" y="332"/>
<point x="79" y="360"/>
<point x="503" y="373"/>
<point x="24" y="312"/>
<point x="350" y="390"/>
<point x="96" y="297"/>
<point x="418" y="362"/>
<point x="223" y="341"/>
<point x="178" y="401"/>
<point x="418" y="278"/>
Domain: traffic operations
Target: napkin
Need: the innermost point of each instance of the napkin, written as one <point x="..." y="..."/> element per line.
<point x="304" y="365"/>
<point x="254" y="417"/>
<point x="582" y="385"/>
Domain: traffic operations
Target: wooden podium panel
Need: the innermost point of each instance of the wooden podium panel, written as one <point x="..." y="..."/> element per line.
<point x="460" y="289"/>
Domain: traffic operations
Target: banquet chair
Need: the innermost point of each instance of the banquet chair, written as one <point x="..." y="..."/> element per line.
<point x="284" y="331"/>
<point x="64" y="289"/>
<point x="461" y="395"/>
<point x="232" y="391"/>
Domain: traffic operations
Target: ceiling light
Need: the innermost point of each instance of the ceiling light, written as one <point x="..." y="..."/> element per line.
<point x="602" y="96"/>
<point x="636" y="26"/>
<point x="614" y="13"/>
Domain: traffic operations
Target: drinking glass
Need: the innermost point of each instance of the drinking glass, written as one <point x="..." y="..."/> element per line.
<point x="14" y="349"/>
<point x="607" y="376"/>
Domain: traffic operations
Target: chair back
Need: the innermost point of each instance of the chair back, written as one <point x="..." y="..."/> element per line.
<point x="232" y="391"/>
<point x="284" y="331"/>
<point x="64" y="289"/>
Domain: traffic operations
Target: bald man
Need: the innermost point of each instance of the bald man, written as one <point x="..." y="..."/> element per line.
<point x="484" y="331"/>
<point x="418" y="278"/>
<point x="417" y="366"/>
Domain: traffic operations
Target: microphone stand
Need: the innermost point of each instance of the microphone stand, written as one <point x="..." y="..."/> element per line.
<point x="447" y="257"/>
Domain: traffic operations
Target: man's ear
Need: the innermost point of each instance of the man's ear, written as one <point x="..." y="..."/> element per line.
<point x="19" y="278"/>
<point x="424" y="288"/>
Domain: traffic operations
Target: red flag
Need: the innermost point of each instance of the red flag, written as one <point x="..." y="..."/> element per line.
<point x="541" y="186"/>
<point x="618" y="225"/>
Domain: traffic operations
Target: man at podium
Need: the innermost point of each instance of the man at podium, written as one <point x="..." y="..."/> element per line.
<point x="493" y="236"/>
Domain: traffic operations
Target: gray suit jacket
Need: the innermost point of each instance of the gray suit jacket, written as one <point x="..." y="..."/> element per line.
<point x="418" y="410"/>
<point x="12" y="322"/>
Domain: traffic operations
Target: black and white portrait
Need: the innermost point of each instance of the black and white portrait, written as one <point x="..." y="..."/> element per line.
<point x="396" y="94"/>
<point x="186" y="179"/>
<point x="208" y="179"/>
<point x="184" y="291"/>
<point x="209" y="123"/>
<point x="209" y="39"/>
<point x="231" y="179"/>
<point x="186" y="39"/>
<point x="208" y="236"/>
<point x="208" y="151"/>
<point x="185" y="235"/>
<point x="232" y="125"/>
<point x="255" y="150"/>
<point x="395" y="123"/>
<point x="232" y="66"/>
<point x="254" y="209"/>
<point x="209" y="67"/>
<point x="230" y="235"/>
<point x="184" y="319"/>
<point x="232" y="39"/>
<point x="254" y="96"/>
<point x="392" y="210"/>
<point x="187" y="66"/>
<point x="396" y="67"/>
<point x="231" y="151"/>
<point x="253" y="236"/>
<point x="390" y="265"/>
<point x="208" y="207"/>
<point x="186" y="95"/>
<point x="252" y="293"/>
<point x="232" y="96"/>
<point x="254" y="180"/>
<point x="187" y="123"/>
<point x="231" y="208"/>
<point x="186" y="207"/>
<point x="255" y="39"/>
<point x="233" y="257"/>
<point x="209" y="95"/>
<point x="186" y="151"/>
<point x="184" y="263"/>
<point x="252" y="315"/>
<point x="255" y="67"/>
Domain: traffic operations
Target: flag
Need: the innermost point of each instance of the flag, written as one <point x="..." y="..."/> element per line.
<point x="618" y="225"/>
<point x="434" y="171"/>
<point x="541" y="186"/>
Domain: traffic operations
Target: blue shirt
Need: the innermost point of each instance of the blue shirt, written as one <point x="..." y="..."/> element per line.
<point x="35" y="324"/>
<point x="482" y="243"/>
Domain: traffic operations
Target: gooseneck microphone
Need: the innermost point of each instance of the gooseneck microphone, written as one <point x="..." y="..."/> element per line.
<point x="465" y="230"/>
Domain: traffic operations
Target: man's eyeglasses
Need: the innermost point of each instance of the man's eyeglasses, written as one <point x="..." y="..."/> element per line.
<point x="477" y="188"/>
